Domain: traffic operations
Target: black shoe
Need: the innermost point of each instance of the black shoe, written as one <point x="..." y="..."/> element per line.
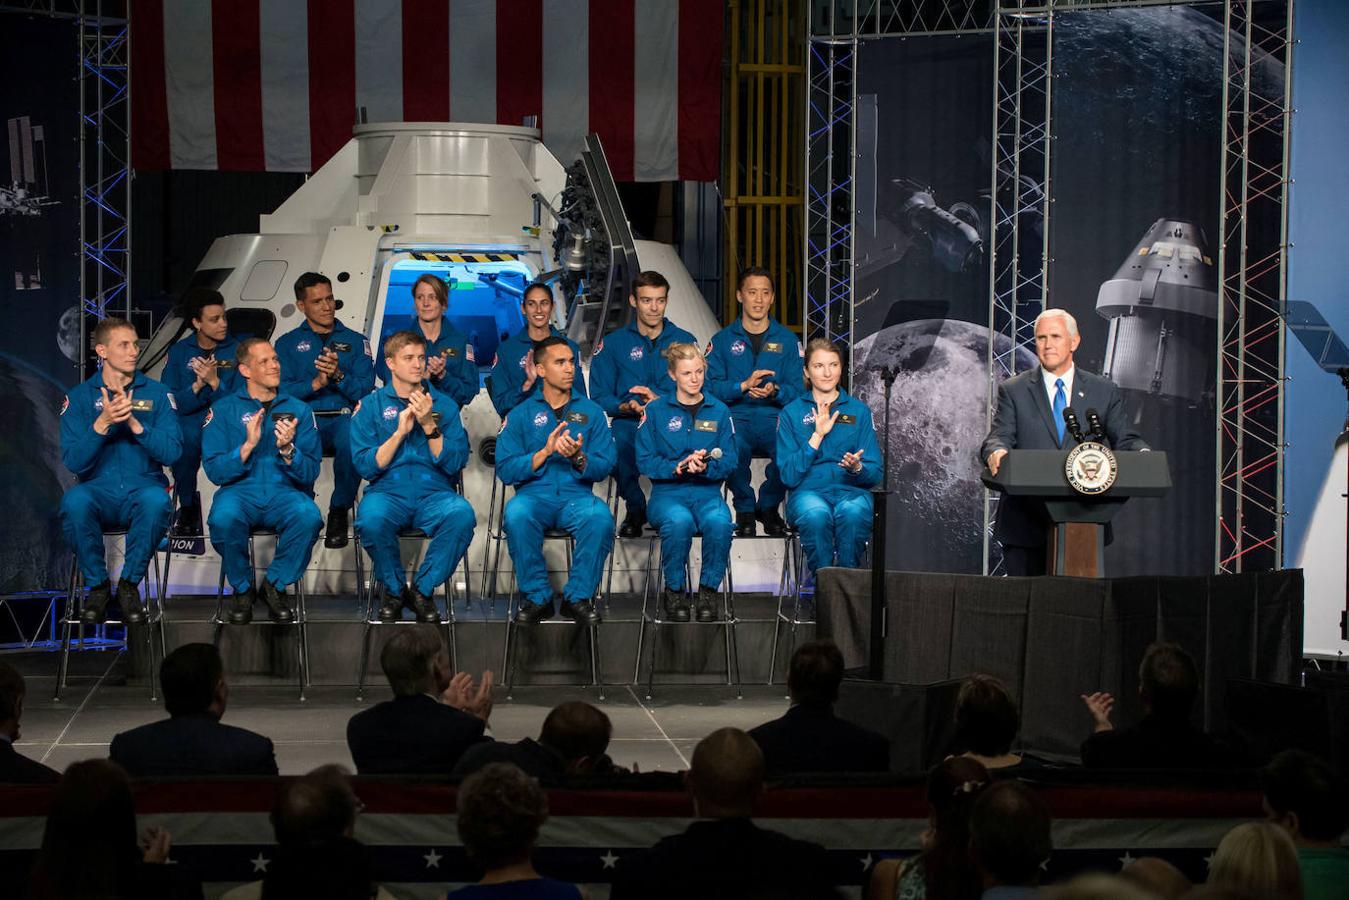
<point x="188" y="523"/>
<point x="421" y="606"/>
<point x="129" y="598"/>
<point x="241" y="608"/>
<point x="95" y="608"/>
<point x="705" y="608"/>
<point x="533" y="613"/>
<point x="582" y="612"/>
<point x="676" y="609"/>
<point x="633" y="524"/>
<point x="745" y="524"/>
<point x="391" y="608"/>
<point x="275" y="599"/>
<point x="335" y="535"/>
<point x="773" y="526"/>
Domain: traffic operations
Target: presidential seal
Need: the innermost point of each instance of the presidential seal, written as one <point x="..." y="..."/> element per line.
<point x="1091" y="468"/>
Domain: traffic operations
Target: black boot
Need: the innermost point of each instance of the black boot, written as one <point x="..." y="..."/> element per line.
<point x="533" y="613"/>
<point x="582" y="612"/>
<point x="391" y="609"/>
<point x="773" y="526"/>
<point x="676" y="608"/>
<point x="633" y="524"/>
<point x="276" y="603"/>
<point x="706" y="607"/>
<point x="241" y="608"/>
<point x="745" y="524"/>
<point x="129" y="599"/>
<point x="335" y="535"/>
<point x="421" y="606"/>
<point x="188" y="523"/>
<point x="95" y="608"/>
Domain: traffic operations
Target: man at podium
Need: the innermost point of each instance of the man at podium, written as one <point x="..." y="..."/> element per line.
<point x="1030" y="417"/>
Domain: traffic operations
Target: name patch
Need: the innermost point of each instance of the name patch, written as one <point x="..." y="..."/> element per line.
<point x="341" y="346"/>
<point x="772" y="347"/>
<point x="845" y="419"/>
<point x="577" y="418"/>
<point x="139" y="405"/>
<point x="705" y="425"/>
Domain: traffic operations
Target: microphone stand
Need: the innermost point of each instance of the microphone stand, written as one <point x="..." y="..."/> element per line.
<point x="879" y="501"/>
<point x="1344" y="616"/>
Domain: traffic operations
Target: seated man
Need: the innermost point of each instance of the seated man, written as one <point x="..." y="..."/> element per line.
<point x="266" y="479"/>
<point x="408" y="443"/>
<point x="552" y="448"/>
<point x="199" y="369"/>
<point x="515" y="374"/>
<point x="725" y="854"/>
<point x="1010" y="840"/>
<point x="118" y="431"/>
<point x="810" y="738"/>
<point x="1311" y="801"/>
<point x="628" y="371"/>
<point x="1168" y="683"/>
<point x="573" y="741"/>
<point x="15" y="768"/>
<point x="193" y="741"/>
<point x="431" y="720"/>
<point x="327" y="365"/>
<point x="450" y="364"/>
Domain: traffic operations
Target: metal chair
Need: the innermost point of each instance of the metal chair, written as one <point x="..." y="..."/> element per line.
<point x="300" y="625"/>
<point x="154" y="614"/>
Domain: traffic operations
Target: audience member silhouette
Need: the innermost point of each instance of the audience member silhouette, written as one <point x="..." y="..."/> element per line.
<point x="1010" y="840"/>
<point x="1310" y="801"/>
<point x="572" y="741"/>
<point x="15" y="768"/>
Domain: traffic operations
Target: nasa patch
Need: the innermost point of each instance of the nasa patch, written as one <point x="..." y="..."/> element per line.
<point x="540" y="419"/>
<point x="808" y="418"/>
<point x="303" y="346"/>
<point x="635" y="354"/>
<point x="738" y="348"/>
<point x="390" y="412"/>
<point x="676" y="423"/>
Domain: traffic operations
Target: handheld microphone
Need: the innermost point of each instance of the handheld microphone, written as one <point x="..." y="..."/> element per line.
<point x="1094" y="423"/>
<point x="715" y="453"/>
<point x="1074" y="427"/>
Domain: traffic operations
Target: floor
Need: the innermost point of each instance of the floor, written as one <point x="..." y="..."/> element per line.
<point x="99" y="702"/>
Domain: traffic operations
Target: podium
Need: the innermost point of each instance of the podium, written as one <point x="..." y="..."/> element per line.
<point x="1076" y="542"/>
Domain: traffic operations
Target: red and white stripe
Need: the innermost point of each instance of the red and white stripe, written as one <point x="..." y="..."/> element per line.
<point x="253" y="85"/>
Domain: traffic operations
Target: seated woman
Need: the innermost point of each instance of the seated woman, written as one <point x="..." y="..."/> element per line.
<point x="944" y="870"/>
<point x="828" y="456"/>
<point x="1257" y="858"/>
<point x="987" y="722"/>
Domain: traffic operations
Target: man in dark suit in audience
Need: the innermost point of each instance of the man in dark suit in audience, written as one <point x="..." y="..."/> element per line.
<point x="1168" y="682"/>
<point x="193" y="741"/>
<point x="433" y="716"/>
<point x="15" y="768"/>
<point x="725" y="854"/>
<point x="810" y="738"/>
<point x="1030" y="417"/>
<point x="572" y="742"/>
<point x="1010" y="840"/>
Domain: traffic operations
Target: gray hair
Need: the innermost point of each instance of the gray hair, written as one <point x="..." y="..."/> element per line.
<point x="409" y="660"/>
<point x="1059" y="313"/>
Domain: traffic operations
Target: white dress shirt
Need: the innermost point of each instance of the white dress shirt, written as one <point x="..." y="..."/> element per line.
<point x="1051" y="389"/>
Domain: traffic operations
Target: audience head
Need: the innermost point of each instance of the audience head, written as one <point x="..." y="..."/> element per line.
<point x="500" y="812"/>
<point x="726" y="775"/>
<point x="815" y="673"/>
<point x="1307" y="797"/>
<point x="579" y="733"/>
<point x="1257" y="857"/>
<point x="1168" y="682"/>
<point x="952" y="788"/>
<point x="89" y="845"/>
<point x="12" y="691"/>
<point x="1157" y="875"/>
<point x="318" y="808"/>
<point x="1095" y="886"/>
<point x="1009" y="834"/>
<point x="987" y="720"/>
<point x="192" y="678"/>
<point x="414" y="661"/>
<point x="314" y="818"/>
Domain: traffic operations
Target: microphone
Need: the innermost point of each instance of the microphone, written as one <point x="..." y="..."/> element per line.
<point x="1074" y="427"/>
<point x="715" y="453"/>
<point x="1094" y="423"/>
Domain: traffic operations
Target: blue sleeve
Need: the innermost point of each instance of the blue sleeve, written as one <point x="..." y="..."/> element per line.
<point x="80" y="443"/>
<point x="176" y="378"/>
<point x="791" y="384"/>
<point x="604" y="381"/>
<point x="599" y="450"/>
<point x="365" y="441"/>
<point x="360" y="379"/>
<point x="453" y="440"/>
<point x="382" y="369"/>
<point x="463" y="379"/>
<point x="303" y="470"/>
<point x="220" y="451"/>
<point x="721" y="469"/>
<point x="160" y="435"/>
<point x="580" y="384"/>
<point x="505" y="391"/>
<point x="871" y="453"/>
<point x="719" y="381"/>
<point x="653" y="458"/>
<point x="795" y="456"/>
<point x="514" y="456"/>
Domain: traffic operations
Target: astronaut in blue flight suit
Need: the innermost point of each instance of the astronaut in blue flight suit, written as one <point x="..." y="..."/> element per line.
<point x="686" y="446"/>
<point x="261" y="447"/>
<point x="200" y="368"/>
<point x="829" y="457"/>
<point x="553" y="447"/>
<point x="514" y="374"/>
<point x="118" y="431"/>
<point x="628" y="371"/>
<point x="409" y="444"/>
<point x="752" y="367"/>
<point x="450" y="364"/>
<point x="327" y="365"/>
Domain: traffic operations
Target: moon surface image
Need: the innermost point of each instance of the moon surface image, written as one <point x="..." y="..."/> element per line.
<point x="68" y="334"/>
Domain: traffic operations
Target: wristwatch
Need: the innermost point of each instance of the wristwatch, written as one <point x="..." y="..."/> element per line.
<point x="336" y="377"/>
<point x="432" y="434"/>
<point x="578" y="462"/>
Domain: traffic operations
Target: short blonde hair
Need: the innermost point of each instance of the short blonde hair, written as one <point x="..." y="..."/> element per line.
<point x="400" y="339"/>
<point x="1258" y="858"/>
<point x="676" y="353"/>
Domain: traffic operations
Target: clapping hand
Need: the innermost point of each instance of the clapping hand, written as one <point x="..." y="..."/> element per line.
<point x="435" y="365"/>
<point x="116" y="409"/>
<point x="155" y="843"/>
<point x="567" y="445"/>
<point x="693" y="464"/>
<point x="824" y="420"/>
<point x="754" y="386"/>
<point x="851" y="461"/>
<point x="463" y="695"/>
<point x="420" y="403"/>
<point x="207" y="372"/>
<point x="284" y="432"/>
<point x="253" y="430"/>
<point x="531" y="372"/>
<point x="644" y="392"/>
<point x="1099" y="705"/>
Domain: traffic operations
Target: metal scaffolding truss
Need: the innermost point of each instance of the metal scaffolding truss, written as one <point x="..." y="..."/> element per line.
<point x="830" y="207"/>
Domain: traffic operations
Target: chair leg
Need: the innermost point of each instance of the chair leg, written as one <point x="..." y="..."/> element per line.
<point x="71" y="594"/>
<point x="302" y="617"/>
<point x="595" y="669"/>
<point x="508" y="657"/>
<point x="641" y="619"/>
<point x="365" y="660"/>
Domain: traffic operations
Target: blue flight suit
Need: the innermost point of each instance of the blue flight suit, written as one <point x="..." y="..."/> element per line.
<point x="298" y="349"/>
<point x="415" y="490"/>
<point x="730" y="360"/>
<point x="178" y="377"/>
<point x="828" y="505"/>
<point x="508" y="371"/>
<point x="460" y="378"/>
<point x="556" y="495"/>
<point x="684" y="505"/>
<point x="121" y="475"/>
<point x="263" y="492"/>
<point x="622" y="359"/>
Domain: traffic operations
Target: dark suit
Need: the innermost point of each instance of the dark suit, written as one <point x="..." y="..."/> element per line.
<point x="1154" y="744"/>
<point x="194" y="744"/>
<point x="810" y="738"/>
<point x="1025" y="421"/>
<point x="725" y="858"/>
<point x="528" y="755"/>
<point x="15" y="768"/>
<point x="411" y="736"/>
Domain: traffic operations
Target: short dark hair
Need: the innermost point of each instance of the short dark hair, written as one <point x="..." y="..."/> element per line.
<point x="553" y="340"/>
<point x="536" y="286"/>
<point x="755" y="272"/>
<point x="197" y="299"/>
<point x="437" y="284"/>
<point x="1169" y="680"/>
<point x="107" y="325"/>
<point x="987" y="719"/>
<point x="316" y="808"/>
<point x="1298" y="782"/>
<point x="188" y="677"/>
<point x="12" y="691"/>
<point x="500" y="812"/>
<point x="400" y="339"/>
<point x="1010" y="833"/>
<point x="308" y="280"/>
<point x="576" y="730"/>
<point x="815" y="673"/>
<point x="244" y="351"/>
<point x="409" y="658"/>
<point x="649" y="278"/>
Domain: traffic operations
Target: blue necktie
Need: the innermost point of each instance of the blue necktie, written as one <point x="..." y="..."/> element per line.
<point x="1060" y="404"/>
